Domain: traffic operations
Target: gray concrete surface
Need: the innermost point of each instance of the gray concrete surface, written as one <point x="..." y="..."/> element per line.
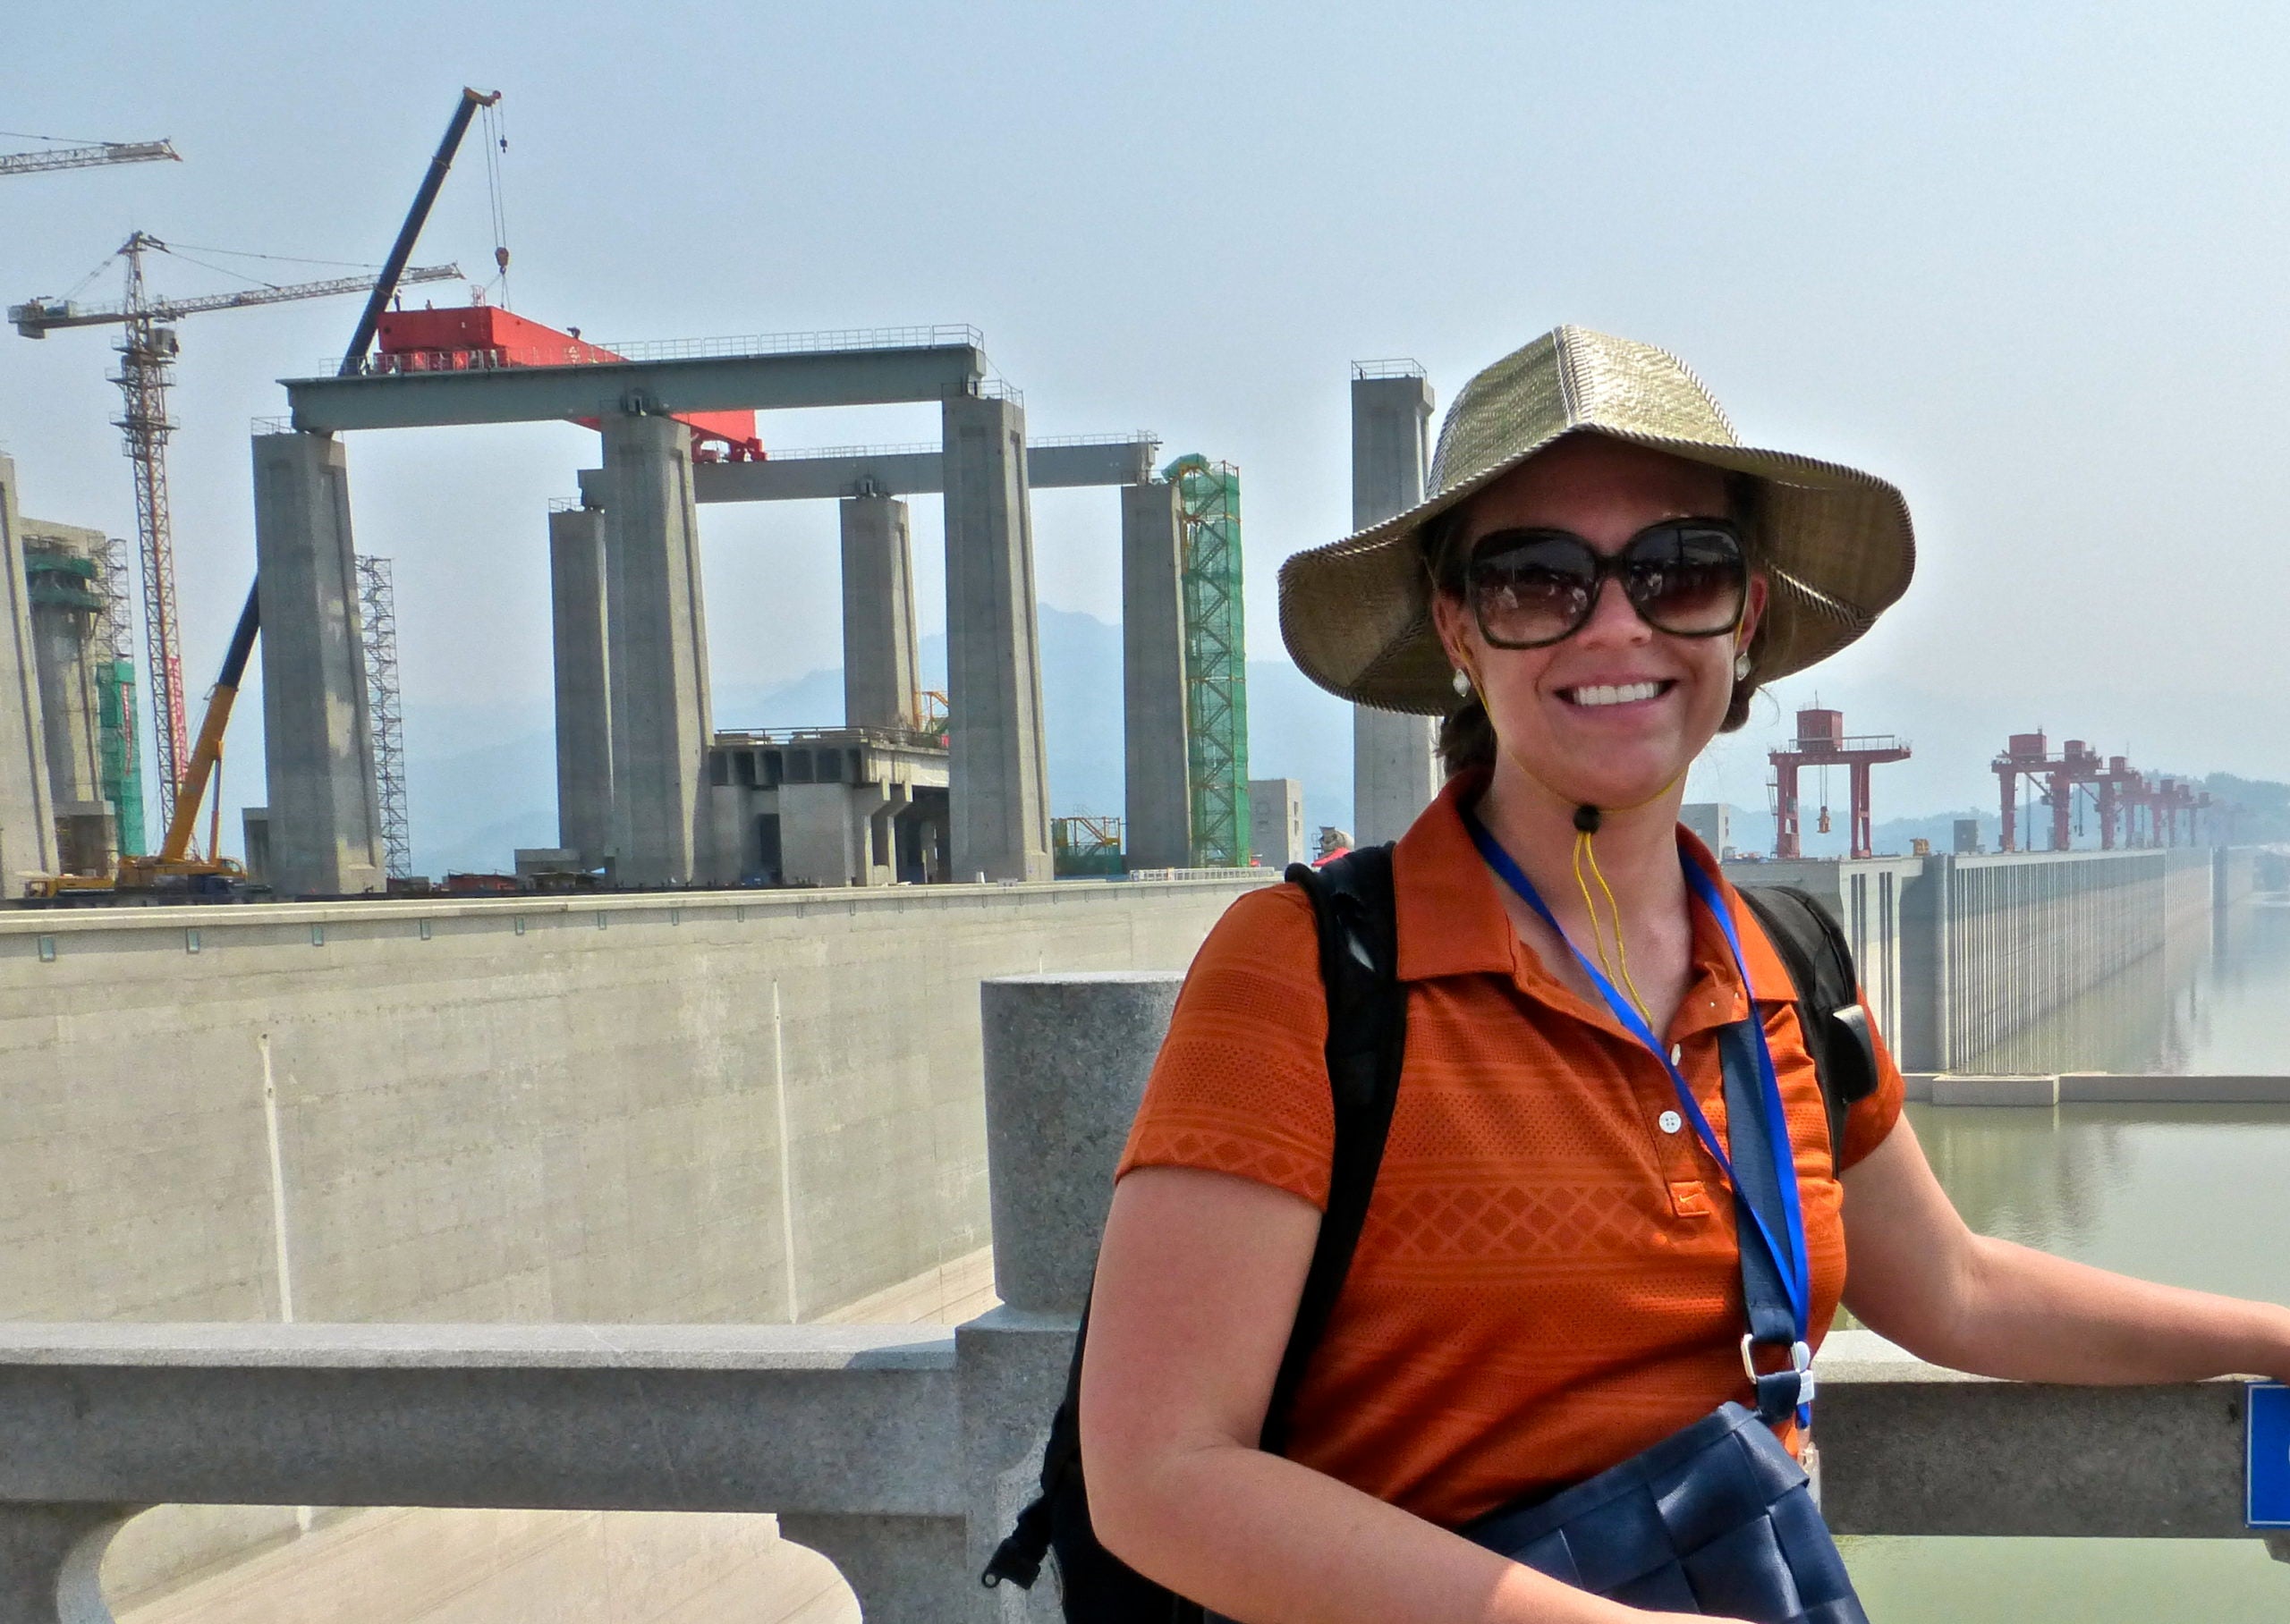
<point x="326" y="826"/>
<point x="1277" y="836"/>
<point x="883" y="375"/>
<point x="1912" y="1449"/>
<point x="655" y="622"/>
<point x="1950" y="1090"/>
<point x="1156" y="816"/>
<point x="1066" y="1059"/>
<point x="725" y="1106"/>
<point x="1000" y="768"/>
<point x="1394" y="772"/>
<point x="27" y="813"/>
<point x="882" y="678"/>
<point x="2096" y="1088"/>
<point x="902" y="1456"/>
<point x="804" y="476"/>
<point x="583" y="683"/>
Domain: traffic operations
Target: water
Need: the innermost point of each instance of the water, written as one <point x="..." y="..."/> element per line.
<point x="2188" y="1194"/>
<point x="2211" y="1004"/>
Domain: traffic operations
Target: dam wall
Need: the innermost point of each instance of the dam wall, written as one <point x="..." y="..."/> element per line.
<point x="1959" y="955"/>
<point x="669" y="1107"/>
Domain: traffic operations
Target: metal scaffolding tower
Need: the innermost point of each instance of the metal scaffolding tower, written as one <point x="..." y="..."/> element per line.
<point x="378" y="610"/>
<point x="123" y="760"/>
<point x="1215" y="668"/>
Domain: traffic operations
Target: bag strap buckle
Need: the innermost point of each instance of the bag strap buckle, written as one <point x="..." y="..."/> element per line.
<point x="1780" y="1391"/>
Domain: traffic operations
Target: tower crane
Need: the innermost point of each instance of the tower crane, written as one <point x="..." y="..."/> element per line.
<point x="88" y="157"/>
<point x="147" y="347"/>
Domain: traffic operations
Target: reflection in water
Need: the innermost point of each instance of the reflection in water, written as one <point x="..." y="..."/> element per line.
<point x="2020" y="1174"/>
<point x="2209" y="1002"/>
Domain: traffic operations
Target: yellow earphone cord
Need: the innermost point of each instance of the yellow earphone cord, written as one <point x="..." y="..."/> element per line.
<point x="1586" y="856"/>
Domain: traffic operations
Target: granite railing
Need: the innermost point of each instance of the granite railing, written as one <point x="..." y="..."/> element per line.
<point x="901" y="1456"/>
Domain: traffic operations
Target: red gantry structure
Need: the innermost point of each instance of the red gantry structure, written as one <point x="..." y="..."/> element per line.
<point x="1822" y="741"/>
<point x="2135" y="809"/>
<point x="478" y="338"/>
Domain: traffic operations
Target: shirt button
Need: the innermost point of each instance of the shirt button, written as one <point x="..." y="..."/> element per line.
<point x="1670" y="1121"/>
<point x="1677" y="1054"/>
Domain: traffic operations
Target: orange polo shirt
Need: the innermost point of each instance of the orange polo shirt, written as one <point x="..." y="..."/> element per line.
<point x="1547" y="1282"/>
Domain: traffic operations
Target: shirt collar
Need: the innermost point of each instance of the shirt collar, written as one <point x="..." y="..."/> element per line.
<point x="1452" y="923"/>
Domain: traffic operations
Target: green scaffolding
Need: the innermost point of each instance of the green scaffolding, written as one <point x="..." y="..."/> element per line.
<point x="123" y="776"/>
<point x="59" y="578"/>
<point x="1215" y="661"/>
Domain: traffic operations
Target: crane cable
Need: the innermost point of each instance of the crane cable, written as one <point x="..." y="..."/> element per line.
<point x="496" y="142"/>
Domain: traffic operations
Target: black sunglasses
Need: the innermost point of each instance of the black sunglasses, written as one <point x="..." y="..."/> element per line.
<point x="1531" y="587"/>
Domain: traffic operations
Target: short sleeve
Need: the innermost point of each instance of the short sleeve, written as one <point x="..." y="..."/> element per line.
<point x="1867" y="1122"/>
<point x="1240" y="1084"/>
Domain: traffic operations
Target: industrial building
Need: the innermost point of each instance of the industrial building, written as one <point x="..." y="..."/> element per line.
<point x="71" y="794"/>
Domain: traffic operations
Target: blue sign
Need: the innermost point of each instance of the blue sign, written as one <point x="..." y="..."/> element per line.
<point x="2268" y="1504"/>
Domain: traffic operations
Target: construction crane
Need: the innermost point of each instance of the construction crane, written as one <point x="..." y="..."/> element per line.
<point x="148" y="347"/>
<point x="86" y="157"/>
<point x="175" y="865"/>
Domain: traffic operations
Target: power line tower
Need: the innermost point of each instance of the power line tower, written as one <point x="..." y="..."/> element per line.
<point x="121" y="762"/>
<point x="1215" y="668"/>
<point x="377" y="609"/>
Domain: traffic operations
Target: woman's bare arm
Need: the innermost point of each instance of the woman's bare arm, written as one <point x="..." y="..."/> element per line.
<point x="1918" y="1276"/>
<point x="1196" y="1288"/>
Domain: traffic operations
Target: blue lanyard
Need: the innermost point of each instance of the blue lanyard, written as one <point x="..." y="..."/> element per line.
<point x="1790" y="1265"/>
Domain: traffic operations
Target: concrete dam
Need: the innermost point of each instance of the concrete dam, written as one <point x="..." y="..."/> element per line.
<point x="729" y="1108"/>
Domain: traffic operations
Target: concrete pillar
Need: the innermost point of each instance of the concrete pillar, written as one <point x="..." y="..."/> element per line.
<point x="882" y="666"/>
<point x="902" y="1570"/>
<point x="576" y="585"/>
<point x="1276" y="822"/>
<point x="1156" y="782"/>
<point x="1000" y="770"/>
<point x="51" y="1562"/>
<point x="1394" y="773"/>
<point x="27" y="812"/>
<point x="325" y="825"/>
<point x="1066" y="1059"/>
<point x="656" y="652"/>
<point x="254" y="842"/>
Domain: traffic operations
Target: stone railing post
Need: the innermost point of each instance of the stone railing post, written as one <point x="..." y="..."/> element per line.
<point x="51" y="1562"/>
<point x="1066" y="1059"/>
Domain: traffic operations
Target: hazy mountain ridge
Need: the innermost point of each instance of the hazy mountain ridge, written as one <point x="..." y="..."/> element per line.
<point x="487" y="782"/>
<point x="473" y="802"/>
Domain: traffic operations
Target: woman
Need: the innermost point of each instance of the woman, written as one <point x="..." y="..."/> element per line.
<point x="1548" y="1277"/>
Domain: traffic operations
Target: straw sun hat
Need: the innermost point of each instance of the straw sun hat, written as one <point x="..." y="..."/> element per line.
<point x="1835" y="544"/>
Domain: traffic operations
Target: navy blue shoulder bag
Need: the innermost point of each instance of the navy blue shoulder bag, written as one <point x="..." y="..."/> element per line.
<point x="1716" y="1518"/>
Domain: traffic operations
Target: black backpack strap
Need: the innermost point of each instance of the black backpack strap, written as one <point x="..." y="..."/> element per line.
<point x="1828" y="997"/>
<point x="1367" y="1041"/>
<point x="1367" y="1034"/>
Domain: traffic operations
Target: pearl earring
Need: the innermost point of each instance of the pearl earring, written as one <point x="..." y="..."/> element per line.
<point x="1742" y="667"/>
<point x="1462" y="684"/>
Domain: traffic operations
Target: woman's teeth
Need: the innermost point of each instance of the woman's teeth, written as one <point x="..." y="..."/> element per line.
<point x="1629" y="693"/>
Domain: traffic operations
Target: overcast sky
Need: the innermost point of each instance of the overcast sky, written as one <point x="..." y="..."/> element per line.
<point x="2028" y="261"/>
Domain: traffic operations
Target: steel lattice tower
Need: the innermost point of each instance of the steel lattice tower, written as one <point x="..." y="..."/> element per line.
<point x="378" y="610"/>
<point x="1216" y="669"/>
<point x="147" y="361"/>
